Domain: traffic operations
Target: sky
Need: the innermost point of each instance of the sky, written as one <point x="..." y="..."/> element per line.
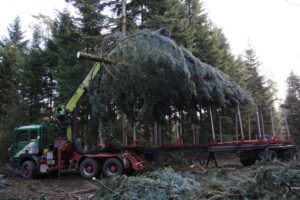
<point x="271" y="27"/>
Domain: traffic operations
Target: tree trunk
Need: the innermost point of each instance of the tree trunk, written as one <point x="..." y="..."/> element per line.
<point x="194" y="133"/>
<point x="100" y="136"/>
<point x="197" y="134"/>
<point x="159" y="135"/>
<point x="189" y="4"/>
<point x="123" y="24"/>
<point x="155" y="133"/>
<point x="124" y="124"/>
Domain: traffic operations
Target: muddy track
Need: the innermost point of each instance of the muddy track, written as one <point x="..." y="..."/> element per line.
<point x="43" y="187"/>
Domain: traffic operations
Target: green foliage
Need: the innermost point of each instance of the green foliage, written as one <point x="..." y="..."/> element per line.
<point x="260" y="88"/>
<point x="34" y="84"/>
<point x="257" y="182"/>
<point x="13" y="51"/>
<point x="91" y="20"/>
<point x="154" y="78"/>
<point x="62" y="48"/>
<point x="160" y="184"/>
<point x="292" y="105"/>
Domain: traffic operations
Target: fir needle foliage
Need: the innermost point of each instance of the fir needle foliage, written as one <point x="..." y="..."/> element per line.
<point x="153" y="78"/>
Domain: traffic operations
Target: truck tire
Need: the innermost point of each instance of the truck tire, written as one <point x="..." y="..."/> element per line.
<point x="28" y="169"/>
<point x="89" y="168"/>
<point x="81" y="145"/>
<point x="112" y="167"/>
<point x="292" y="155"/>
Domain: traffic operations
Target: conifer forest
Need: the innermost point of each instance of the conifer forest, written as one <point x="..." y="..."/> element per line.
<point x="167" y="75"/>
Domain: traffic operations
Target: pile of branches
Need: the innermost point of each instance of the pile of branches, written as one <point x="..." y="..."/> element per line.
<point x="159" y="184"/>
<point x="257" y="182"/>
<point x="152" y="77"/>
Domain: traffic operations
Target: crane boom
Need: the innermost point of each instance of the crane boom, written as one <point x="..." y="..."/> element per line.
<point x="72" y="103"/>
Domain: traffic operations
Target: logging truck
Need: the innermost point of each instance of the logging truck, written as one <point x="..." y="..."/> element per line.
<point x="41" y="149"/>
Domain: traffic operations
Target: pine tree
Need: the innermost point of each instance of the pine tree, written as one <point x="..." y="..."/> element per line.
<point x="261" y="89"/>
<point x="62" y="49"/>
<point x="91" y="20"/>
<point x="68" y="71"/>
<point x="292" y="105"/>
<point x="13" y="59"/>
<point x="12" y="62"/>
<point x="254" y="81"/>
<point x="34" y="83"/>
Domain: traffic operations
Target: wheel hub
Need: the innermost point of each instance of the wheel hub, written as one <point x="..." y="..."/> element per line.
<point x="89" y="168"/>
<point x="113" y="168"/>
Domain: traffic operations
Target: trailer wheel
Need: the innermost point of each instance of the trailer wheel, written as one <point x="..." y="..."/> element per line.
<point x="28" y="169"/>
<point x="247" y="161"/>
<point x="89" y="168"/>
<point x="112" y="167"/>
<point x="272" y="156"/>
<point x="292" y="155"/>
<point x="247" y="158"/>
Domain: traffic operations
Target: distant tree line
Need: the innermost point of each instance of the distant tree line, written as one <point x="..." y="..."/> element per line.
<point x="39" y="74"/>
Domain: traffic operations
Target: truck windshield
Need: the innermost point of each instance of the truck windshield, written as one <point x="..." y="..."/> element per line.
<point x="22" y="136"/>
<point x="33" y="134"/>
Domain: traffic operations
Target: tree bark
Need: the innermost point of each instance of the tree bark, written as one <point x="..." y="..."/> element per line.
<point x="189" y="11"/>
<point x="155" y="133"/>
<point x="194" y="133"/>
<point x="124" y="124"/>
<point x="159" y="135"/>
<point x="123" y="24"/>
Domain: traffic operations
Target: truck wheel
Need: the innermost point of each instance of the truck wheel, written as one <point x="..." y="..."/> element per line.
<point x="112" y="167"/>
<point x="28" y="169"/>
<point x="89" y="168"/>
<point x="81" y="145"/>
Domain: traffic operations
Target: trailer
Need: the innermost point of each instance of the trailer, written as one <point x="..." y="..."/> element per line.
<point x="248" y="150"/>
<point x="263" y="147"/>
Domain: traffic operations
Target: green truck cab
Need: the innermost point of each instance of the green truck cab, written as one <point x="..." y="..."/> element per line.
<point x="29" y="142"/>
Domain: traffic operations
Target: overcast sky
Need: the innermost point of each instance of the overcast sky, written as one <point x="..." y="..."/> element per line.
<point x="271" y="26"/>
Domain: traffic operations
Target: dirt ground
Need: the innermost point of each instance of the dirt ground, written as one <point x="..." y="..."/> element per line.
<point x="43" y="187"/>
<point x="50" y="187"/>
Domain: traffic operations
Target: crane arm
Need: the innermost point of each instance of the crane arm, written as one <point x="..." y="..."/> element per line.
<point x="72" y="103"/>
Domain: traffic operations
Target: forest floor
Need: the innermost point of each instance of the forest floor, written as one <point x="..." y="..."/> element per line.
<point x="42" y="187"/>
<point x="185" y="179"/>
